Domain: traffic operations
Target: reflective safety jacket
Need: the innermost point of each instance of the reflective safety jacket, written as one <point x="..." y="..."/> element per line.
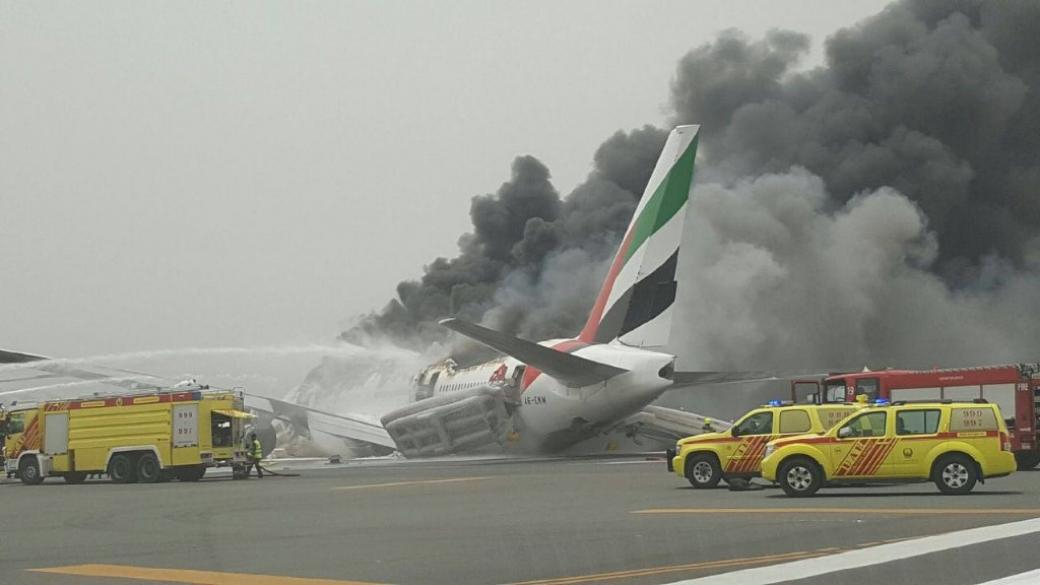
<point x="258" y="451"/>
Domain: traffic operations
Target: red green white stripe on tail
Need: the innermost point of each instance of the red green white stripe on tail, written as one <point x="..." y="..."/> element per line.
<point x="635" y="303"/>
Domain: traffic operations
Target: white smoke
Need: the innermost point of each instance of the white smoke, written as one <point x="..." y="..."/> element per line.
<point x="771" y="277"/>
<point x="368" y="382"/>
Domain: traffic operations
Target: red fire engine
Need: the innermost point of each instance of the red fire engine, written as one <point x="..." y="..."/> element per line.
<point x="1015" y="388"/>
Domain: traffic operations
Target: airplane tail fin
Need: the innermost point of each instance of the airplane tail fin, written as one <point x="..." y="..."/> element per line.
<point x="634" y="305"/>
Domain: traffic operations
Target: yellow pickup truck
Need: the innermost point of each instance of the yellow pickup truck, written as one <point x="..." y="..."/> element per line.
<point x="954" y="444"/>
<point x="707" y="458"/>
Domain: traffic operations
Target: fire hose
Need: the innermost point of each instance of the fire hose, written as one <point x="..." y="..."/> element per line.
<point x="242" y="472"/>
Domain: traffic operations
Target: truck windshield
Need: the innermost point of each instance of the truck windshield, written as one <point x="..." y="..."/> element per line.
<point x="868" y="387"/>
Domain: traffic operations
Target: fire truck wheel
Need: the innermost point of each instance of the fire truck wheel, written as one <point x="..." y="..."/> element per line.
<point x="799" y="477"/>
<point x="703" y="471"/>
<point x="121" y="469"/>
<point x="148" y="469"/>
<point x="955" y="474"/>
<point x="75" y="477"/>
<point x="29" y="471"/>
<point x="1028" y="460"/>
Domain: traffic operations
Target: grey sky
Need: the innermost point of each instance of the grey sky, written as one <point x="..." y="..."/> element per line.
<point x="201" y="174"/>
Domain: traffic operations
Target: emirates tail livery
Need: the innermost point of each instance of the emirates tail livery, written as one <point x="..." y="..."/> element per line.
<point x="537" y="397"/>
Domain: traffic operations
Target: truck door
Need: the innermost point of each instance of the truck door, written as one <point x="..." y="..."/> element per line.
<point x="805" y="392"/>
<point x="185" y="434"/>
<point x="56" y="433"/>
<point x="1024" y="430"/>
<point x="1036" y="414"/>
<point x="834" y="391"/>
<point x="12" y="440"/>
<point x="186" y="425"/>
<point x="917" y="431"/>
<point x="862" y="449"/>
<point x="754" y="432"/>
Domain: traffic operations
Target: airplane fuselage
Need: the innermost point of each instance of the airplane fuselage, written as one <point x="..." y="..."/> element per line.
<point x="547" y="415"/>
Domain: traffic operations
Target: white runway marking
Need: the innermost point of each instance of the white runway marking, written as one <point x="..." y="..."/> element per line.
<point x="1030" y="578"/>
<point x="874" y="555"/>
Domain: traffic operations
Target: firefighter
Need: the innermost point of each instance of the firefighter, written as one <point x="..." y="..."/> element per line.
<point x="256" y="454"/>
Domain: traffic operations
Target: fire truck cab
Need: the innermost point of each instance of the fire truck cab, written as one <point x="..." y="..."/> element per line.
<point x="1014" y="388"/>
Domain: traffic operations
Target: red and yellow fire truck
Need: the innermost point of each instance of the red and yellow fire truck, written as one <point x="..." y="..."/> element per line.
<point x="146" y="437"/>
<point x="1014" y="388"/>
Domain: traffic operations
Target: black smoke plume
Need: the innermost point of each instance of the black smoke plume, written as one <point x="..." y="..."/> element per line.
<point x="883" y="208"/>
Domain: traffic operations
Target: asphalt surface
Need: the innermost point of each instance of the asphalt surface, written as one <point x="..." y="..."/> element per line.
<point x="622" y="521"/>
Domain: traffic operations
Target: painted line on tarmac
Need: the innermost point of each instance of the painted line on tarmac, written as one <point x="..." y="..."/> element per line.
<point x="704" y="565"/>
<point x="865" y="557"/>
<point x="366" y="486"/>
<point x="877" y="511"/>
<point x="1030" y="578"/>
<point x="187" y="576"/>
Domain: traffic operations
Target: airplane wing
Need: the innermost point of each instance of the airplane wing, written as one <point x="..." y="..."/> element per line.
<point x="682" y="379"/>
<point x="307" y="420"/>
<point x="570" y="369"/>
<point x="15" y="357"/>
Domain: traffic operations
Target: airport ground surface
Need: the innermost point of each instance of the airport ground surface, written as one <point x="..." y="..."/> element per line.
<point x="621" y="521"/>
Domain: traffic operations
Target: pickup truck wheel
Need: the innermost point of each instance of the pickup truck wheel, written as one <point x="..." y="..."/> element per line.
<point x="121" y="469"/>
<point x="955" y="474"/>
<point x="799" y="477"/>
<point x="148" y="468"/>
<point x="29" y="471"/>
<point x="75" y="477"/>
<point x="703" y="471"/>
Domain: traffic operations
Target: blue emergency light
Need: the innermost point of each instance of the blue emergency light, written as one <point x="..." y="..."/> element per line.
<point x="882" y="401"/>
<point x="775" y="403"/>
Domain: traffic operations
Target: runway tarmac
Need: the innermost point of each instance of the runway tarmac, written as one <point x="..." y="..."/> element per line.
<point x="486" y="521"/>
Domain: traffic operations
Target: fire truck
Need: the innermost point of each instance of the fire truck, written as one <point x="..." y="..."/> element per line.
<point x="1014" y="388"/>
<point x="173" y="433"/>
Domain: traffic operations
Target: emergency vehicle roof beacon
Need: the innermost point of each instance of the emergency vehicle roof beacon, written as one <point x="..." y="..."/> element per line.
<point x="954" y="444"/>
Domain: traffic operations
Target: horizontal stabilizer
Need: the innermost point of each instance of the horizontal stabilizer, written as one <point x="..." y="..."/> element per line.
<point x="572" y="370"/>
